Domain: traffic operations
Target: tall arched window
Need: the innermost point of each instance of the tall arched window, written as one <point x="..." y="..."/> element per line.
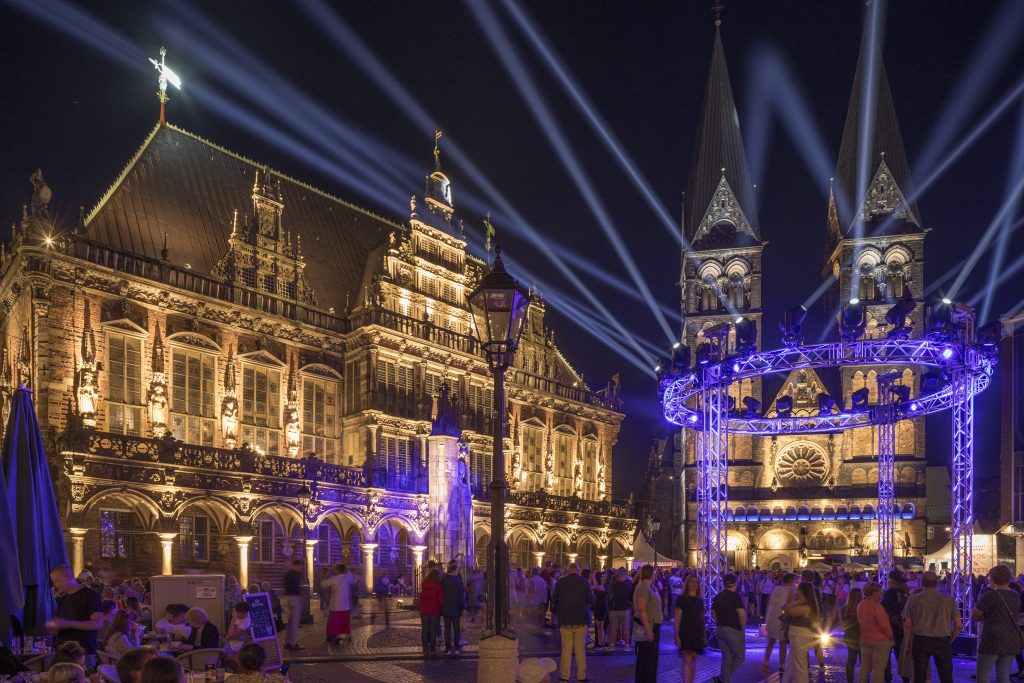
<point x="867" y="290"/>
<point x="737" y="292"/>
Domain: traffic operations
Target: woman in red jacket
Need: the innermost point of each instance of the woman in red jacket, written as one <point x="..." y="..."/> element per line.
<point x="431" y="599"/>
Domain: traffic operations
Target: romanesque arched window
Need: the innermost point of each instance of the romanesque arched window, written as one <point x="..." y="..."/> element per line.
<point x="867" y="290"/>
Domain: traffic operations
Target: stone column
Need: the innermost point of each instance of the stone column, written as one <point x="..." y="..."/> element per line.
<point x="368" y="550"/>
<point x="603" y="560"/>
<point x="629" y="563"/>
<point x="243" y="559"/>
<point x="417" y="566"/>
<point x="538" y="557"/>
<point x="310" y="569"/>
<point x="167" y="546"/>
<point x="572" y="557"/>
<point x="77" y="549"/>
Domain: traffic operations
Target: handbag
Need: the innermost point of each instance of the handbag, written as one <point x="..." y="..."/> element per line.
<point x="1013" y="620"/>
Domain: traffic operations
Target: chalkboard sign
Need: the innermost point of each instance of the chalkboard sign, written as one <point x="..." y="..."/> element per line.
<point x="261" y="615"/>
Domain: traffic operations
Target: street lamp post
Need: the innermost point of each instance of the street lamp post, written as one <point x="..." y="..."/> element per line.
<point x="655" y="526"/>
<point x="304" y="497"/>
<point x="499" y="307"/>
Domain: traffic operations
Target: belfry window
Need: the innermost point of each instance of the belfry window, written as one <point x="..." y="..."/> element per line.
<point x="867" y="290"/>
<point x="737" y="293"/>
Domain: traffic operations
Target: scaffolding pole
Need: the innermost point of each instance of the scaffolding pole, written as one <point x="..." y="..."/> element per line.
<point x="963" y="496"/>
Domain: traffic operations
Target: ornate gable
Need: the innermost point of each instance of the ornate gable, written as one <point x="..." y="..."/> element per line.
<point x="884" y="198"/>
<point x="724" y="208"/>
<point x="261" y="254"/>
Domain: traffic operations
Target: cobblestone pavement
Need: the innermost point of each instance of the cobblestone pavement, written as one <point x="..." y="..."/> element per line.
<point x="392" y="655"/>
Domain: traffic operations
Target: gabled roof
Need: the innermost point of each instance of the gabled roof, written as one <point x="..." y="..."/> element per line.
<point x="886" y="142"/>
<point x="189" y="188"/>
<point x="719" y="155"/>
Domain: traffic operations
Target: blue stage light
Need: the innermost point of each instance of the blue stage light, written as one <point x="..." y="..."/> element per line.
<point x="784" y="406"/>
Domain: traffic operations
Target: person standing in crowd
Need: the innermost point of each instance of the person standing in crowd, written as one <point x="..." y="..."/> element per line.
<point x="537" y="592"/>
<point x="691" y="635"/>
<point x="875" y="635"/>
<point x="570" y="604"/>
<point x="930" y="623"/>
<point x="430" y="603"/>
<point x="997" y="610"/>
<point x="802" y="613"/>
<point x="810" y="577"/>
<point x="894" y="601"/>
<point x="600" y="589"/>
<point x="647" y="619"/>
<point x="452" y="607"/>
<point x="774" y="626"/>
<point x="728" y="612"/>
<point x="620" y="601"/>
<point x="293" y="598"/>
<point x="339" y="586"/>
<point x="766" y="588"/>
<point x="851" y="631"/>
<point x="78" y="616"/>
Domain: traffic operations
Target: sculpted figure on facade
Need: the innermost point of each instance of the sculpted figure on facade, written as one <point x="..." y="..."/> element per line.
<point x="88" y="393"/>
<point x="229" y="405"/>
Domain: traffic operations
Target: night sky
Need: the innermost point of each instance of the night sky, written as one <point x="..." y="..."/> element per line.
<point x="78" y="101"/>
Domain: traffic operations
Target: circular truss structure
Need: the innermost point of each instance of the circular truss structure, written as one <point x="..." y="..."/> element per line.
<point x="680" y="393"/>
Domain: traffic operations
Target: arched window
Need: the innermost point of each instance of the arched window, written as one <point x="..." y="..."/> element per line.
<point x="867" y="290"/>
<point x="709" y="294"/>
<point x="737" y="292"/>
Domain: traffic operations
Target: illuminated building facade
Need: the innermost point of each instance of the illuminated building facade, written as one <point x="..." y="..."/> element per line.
<point x="797" y="499"/>
<point x="211" y="323"/>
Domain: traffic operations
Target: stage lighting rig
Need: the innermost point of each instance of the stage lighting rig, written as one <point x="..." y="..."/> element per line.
<point x="753" y="407"/>
<point x="852" y="321"/>
<point x="897" y="317"/>
<point x="704" y="354"/>
<point x="933" y="380"/>
<point x="680" y="360"/>
<point x="784" y="406"/>
<point x="939" y="321"/>
<point x="988" y="338"/>
<point x="746" y="336"/>
<point x="900" y="393"/>
<point x="792" y="322"/>
<point x="826" y="404"/>
<point x="859" y="399"/>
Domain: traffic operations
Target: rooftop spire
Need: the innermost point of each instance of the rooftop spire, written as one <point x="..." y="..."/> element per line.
<point x="719" y="210"/>
<point x="872" y="163"/>
<point x="717" y="9"/>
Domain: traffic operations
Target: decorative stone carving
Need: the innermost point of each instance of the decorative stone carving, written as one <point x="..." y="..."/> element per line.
<point x="88" y="393"/>
<point x="292" y="429"/>
<point x="229" y="404"/>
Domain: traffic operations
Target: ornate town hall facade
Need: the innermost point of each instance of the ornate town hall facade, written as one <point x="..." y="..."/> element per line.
<point x="213" y="336"/>
<point x="797" y="499"/>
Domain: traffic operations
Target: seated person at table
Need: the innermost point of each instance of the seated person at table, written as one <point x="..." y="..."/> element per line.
<point x="239" y="630"/>
<point x="109" y="610"/>
<point x="129" y="667"/>
<point x="66" y="673"/>
<point x="69" y="653"/>
<point x="173" y="622"/>
<point x="163" y="670"/>
<point x="78" y="615"/>
<point x="124" y="635"/>
<point x="250" y="664"/>
<point x="204" y="634"/>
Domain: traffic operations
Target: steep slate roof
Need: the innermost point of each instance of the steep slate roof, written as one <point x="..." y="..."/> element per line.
<point x="189" y="188"/>
<point x="885" y="136"/>
<point x="719" y="145"/>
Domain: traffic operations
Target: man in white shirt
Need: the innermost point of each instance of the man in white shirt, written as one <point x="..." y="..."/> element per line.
<point x="173" y="623"/>
<point x="239" y="631"/>
<point x="339" y="587"/>
<point x="537" y="589"/>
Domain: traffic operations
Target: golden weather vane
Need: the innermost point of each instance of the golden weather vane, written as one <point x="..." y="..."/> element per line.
<point x="166" y="76"/>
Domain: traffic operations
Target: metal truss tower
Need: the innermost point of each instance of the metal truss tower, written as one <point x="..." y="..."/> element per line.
<point x="963" y="496"/>
<point x="886" y="419"/>
<point x="712" y="482"/>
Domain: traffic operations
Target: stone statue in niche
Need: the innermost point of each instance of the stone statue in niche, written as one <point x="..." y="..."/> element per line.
<point x="517" y="467"/>
<point x="229" y="420"/>
<point x="601" y="487"/>
<point x="577" y="479"/>
<point x="292" y="433"/>
<point x="158" y="408"/>
<point x="88" y="396"/>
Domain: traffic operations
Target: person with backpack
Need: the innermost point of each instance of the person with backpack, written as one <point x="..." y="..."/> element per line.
<point x="894" y="601"/>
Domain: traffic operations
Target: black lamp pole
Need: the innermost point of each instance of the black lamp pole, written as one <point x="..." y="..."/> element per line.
<point x="304" y="497"/>
<point x="499" y="306"/>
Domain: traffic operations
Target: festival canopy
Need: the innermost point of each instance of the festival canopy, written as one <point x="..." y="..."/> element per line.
<point x="33" y="508"/>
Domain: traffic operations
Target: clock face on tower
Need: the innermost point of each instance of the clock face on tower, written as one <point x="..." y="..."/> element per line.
<point x="801" y="464"/>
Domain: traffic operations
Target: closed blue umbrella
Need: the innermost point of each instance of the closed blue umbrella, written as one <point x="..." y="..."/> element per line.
<point x="37" y="527"/>
<point x="12" y="596"/>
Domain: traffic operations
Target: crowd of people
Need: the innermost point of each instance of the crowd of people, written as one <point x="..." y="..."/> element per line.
<point x="105" y="633"/>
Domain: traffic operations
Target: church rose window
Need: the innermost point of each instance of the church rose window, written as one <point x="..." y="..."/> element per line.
<point x="801" y="465"/>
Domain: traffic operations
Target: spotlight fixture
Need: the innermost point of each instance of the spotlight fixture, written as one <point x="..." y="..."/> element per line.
<point x="753" y="407"/>
<point x="914" y="407"/>
<point x="897" y="317"/>
<point x="989" y="336"/>
<point x="947" y="352"/>
<point x="681" y="360"/>
<point x="676" y="345"/>
<point x="900" y="393"/>
<point x="738" y="319"/>
<point x="852" y="321"/>
<point x="703" y="353"/>
<point x="932" y="381"/>
<point x="792" y="322"/>
<point x="746" y="335"/>
<point x="939" y="321"/>
<point x="859" y="399"/>
<point x="784" y="406"/>
<point x="692" y="418"/>
<point x="735" y="366"/>
<point x="946" y="300"/>
<point x="854" y="301"/>
<point x="825" y="404"/>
